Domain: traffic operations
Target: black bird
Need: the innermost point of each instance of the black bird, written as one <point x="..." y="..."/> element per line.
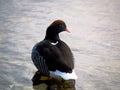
<point x="52" y="53"/>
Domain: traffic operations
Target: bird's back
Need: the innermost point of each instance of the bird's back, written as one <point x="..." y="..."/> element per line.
<point x="57" y="57"/>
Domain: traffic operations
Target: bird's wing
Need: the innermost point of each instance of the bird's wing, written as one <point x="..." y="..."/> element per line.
<point x="39" y="61"/>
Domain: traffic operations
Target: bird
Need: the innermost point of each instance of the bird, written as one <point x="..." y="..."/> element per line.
<point x="52" y="55"/>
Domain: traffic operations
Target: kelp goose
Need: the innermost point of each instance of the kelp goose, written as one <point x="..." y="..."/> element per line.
<point x="52" y="55"/>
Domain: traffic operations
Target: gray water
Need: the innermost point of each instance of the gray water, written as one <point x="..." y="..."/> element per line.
<point x="94" y="40"/>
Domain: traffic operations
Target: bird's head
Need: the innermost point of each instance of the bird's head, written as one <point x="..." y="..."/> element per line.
<point x="58" y="26"/>
<point x="55" y="28"/>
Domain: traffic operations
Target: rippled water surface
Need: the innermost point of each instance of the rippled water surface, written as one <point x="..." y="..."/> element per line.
<point x="94" y="40"/>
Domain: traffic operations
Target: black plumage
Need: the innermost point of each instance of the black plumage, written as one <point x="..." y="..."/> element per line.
<point x="52" y="53"/>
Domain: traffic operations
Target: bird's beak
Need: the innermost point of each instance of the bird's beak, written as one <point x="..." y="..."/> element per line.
<point x="67" y="30"/>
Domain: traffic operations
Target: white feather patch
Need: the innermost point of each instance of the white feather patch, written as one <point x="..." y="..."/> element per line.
<point x="54" y="43"/>
<point x="65" y="76"/>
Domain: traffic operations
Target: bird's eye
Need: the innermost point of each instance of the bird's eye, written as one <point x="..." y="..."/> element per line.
<point x="60" y="25"/>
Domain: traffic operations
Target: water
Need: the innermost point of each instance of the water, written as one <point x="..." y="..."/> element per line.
<point x="94" y="40"/>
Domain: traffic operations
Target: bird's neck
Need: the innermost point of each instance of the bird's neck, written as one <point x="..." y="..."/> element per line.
<point x="51" y="34"/>
<point x="54" y="37"/>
